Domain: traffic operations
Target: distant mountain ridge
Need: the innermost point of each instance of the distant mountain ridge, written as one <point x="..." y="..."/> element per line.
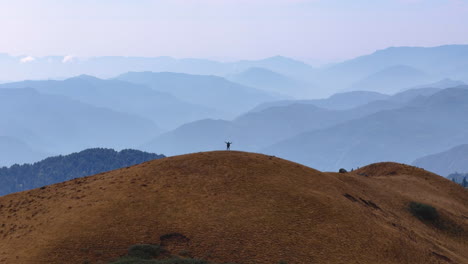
<point x="271" y="123"/>
<point x="14" y="150"/>
<point x="274" y="82"/>
<point x="110" y="66"/>
<point x="339" y="101"/>
<point x="210" y="91"/>
<point x="84" y="111"/>
<point x="58" y="124"/>
<point x="391" y="79"/>
<point x="428" y="125"/>
<point x="122" y="96"/>
<point x="441" y="84"/>
<point x="258" y="129"/>
<point x="446" y="162"/>
<point x="439" y="62"/>
<point x="62" y="168"/>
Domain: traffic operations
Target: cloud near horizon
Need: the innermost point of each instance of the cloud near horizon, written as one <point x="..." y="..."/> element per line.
<point x="27" y="59"/>
<point x="68" y="59"/>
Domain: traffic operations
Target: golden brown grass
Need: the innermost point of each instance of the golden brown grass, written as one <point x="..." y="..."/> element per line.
<point x="238" y="207"/>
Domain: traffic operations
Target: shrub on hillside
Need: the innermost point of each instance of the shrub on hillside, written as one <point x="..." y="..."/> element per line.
<point x="145" y="251"/>
<point x="147" y="254"/>
<point x="174" y="260"/>
<point x="181" y="261"/>
<point x="424" y="212"/>
<point x="130" y="260"/>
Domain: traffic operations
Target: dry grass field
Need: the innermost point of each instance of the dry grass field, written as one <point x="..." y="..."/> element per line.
<point x="229" y="206"/>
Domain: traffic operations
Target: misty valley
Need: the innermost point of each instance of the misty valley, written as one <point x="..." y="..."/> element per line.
<point x="398" y="104"/>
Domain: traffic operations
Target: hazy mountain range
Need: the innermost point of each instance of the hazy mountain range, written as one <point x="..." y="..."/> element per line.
<point x="384" y="71"/>
<point x="168" y="99"/>
<point x="398" y="104"/>
<point x="446" y="162"/>
<point x="339" y="101"/>
<point x="14" y="150"/>
<point x="274" y="82"/>
<point x="219" y="94"/>
<point x="48" y="117"/>
<point x="27" y="67"/>
<point x="267" y="125"/>
<point x="426" y="125"/>
<point x="391" y="79"/>
<point x="56" y="124"/>
<point x="436" y="63"/>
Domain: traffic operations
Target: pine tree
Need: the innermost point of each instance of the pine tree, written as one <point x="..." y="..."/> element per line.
<point x="464" y="183"/>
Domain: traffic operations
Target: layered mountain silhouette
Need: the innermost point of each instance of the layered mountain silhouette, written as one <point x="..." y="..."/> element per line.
<point x="270" y="123"/>
<point x="446" y="162"/>
<point x="240" y="208"/>
<point x="57" y="169"/>
<point x="210" y="91"/>
<point x="424" y="126"/>
<point x="437" y="62"/>
<point x="110" y="66"/>
<point x="57" y="124"/>
<point x="339" y="101"/>
<point x="201" y="135"/>
<point x="13" y="150"/>
<point x="258" y="129"/>
<point x="199" y="108"/>
<point x="414" y="94"/>
<point x="377" y="71"/>
<point x="441" y="84"/>
<point x="163" y="108"/>
<point x="390" y="80"/>
<point x="274" y="82"/>
<point x="280" y="64"/>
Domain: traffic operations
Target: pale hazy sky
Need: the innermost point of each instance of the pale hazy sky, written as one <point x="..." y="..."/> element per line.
<point x="245" y="29"/>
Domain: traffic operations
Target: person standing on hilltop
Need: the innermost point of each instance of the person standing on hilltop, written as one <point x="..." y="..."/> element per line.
<point x="228" y="145"/>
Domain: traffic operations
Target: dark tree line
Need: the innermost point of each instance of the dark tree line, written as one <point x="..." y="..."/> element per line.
<point x="460" y="178"/>
<point x="62" y="168"/>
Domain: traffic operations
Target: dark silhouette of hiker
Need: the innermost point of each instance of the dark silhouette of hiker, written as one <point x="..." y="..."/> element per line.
<point x="228" y="145"/>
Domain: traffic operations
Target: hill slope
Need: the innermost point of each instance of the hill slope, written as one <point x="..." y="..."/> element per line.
<point x="238" y="207"/>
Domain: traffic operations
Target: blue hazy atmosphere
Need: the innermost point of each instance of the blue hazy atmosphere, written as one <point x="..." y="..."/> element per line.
<point x="328" y="84"/>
